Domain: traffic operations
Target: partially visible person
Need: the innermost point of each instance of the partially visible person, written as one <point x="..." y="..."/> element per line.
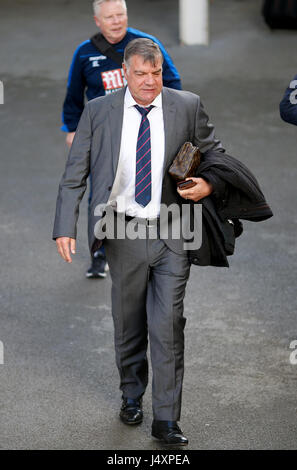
<point x="288" y="105"/>
<point x="95" y="74"/>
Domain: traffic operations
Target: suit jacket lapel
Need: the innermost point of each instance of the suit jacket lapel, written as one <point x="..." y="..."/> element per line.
<point x="169" y="115"/>
<point x="116" y="114"/>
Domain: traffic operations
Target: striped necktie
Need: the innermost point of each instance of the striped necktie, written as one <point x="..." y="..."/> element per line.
<point x="143" y="180"/>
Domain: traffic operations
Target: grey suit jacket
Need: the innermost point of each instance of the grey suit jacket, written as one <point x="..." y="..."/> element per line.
<point x="96" y="149"/>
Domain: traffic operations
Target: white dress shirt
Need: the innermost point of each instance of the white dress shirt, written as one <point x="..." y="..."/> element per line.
<point x="123" y="190"/>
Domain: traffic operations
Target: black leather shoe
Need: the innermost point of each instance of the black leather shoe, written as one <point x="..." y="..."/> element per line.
<point x="169" y="433"/>
<point x="131" y="411"/>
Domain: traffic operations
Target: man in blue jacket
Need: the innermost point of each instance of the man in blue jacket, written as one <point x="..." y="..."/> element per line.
<point x="288" y="105"/>
<point x="94" y="74"/>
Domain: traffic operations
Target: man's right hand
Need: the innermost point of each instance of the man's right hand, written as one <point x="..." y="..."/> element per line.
<point x="69" y="138"/>
<point x="65" y="245"/>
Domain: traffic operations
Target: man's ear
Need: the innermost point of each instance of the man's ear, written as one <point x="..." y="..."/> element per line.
<point x="125" y="70"/>
<point x="97" y="21"/>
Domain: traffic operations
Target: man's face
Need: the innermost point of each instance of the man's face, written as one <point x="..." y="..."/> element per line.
<point x="112" y="21"/>
<point x="144" y="79"/>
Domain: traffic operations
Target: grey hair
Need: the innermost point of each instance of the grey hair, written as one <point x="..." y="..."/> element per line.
<point x="98" y="3"/>
<point x="144" y="47"/>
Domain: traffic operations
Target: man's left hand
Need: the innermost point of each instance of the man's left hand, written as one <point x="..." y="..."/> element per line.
<point x="201" y="190"/>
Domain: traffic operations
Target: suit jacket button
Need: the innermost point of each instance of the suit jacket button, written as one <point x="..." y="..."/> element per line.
<point x="109" y="188"/>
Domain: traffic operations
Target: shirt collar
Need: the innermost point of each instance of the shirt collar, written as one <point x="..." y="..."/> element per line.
<point x="130" y="101"/>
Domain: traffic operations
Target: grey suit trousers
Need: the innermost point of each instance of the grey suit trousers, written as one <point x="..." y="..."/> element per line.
<point x="148" y="288"/>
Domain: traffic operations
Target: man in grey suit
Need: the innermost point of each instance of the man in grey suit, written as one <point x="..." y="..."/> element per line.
<point x="128" y="140"/>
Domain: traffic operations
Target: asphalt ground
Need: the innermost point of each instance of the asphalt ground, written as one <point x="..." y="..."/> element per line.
<point x="59" y="383"/>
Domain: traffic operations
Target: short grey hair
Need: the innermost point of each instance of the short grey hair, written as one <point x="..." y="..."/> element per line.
<point x="98" y="3"/>
<point x="146" y="48"/>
